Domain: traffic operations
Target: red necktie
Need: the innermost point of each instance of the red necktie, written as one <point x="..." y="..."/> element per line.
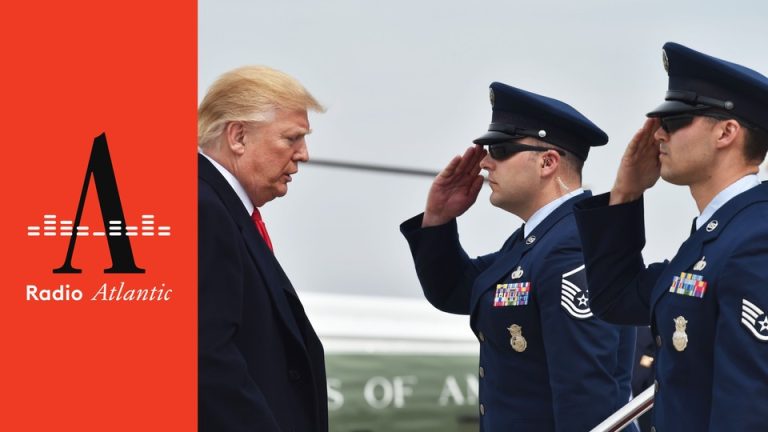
<point x="256" y="216"/>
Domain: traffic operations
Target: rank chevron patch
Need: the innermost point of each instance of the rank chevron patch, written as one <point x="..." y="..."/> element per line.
<point x="750" y="315"/>
<point x="572" y="298"/>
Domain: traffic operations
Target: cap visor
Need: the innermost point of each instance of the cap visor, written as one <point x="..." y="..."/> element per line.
<point x="494" y="137"/>
<point x="675" y="107"/>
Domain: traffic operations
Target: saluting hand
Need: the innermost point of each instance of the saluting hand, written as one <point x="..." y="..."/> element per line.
<point x="455" y="189"/>
<point x="640" y="167"/>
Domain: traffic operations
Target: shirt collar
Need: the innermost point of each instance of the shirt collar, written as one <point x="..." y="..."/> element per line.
<point x="742" y="185"/>
<point x="232" y="180"/>
<point x="545" y="211"/>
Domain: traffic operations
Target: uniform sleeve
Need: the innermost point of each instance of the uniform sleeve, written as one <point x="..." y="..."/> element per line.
<point x="740" y="375"/>
<point x="445" y="271"/>
<point x="613" y="238"/>
<point x="581" y="350"/>
<point x="229" y="398"/>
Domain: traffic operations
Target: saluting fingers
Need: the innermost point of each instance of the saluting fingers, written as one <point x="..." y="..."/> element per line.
<point x="479" y="155"/>
<point x="465" y="166"/>
<point x="451" y="168"/>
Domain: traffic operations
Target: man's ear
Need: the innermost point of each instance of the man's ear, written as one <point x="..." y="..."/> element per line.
<point x="727" y="131"/>
<point x="550" y="160"/>
<point x="235" y="133"/>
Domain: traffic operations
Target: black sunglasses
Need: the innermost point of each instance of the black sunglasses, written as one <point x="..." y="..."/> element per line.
<point x="674" y="123"/>
<point x="506" y="150"/>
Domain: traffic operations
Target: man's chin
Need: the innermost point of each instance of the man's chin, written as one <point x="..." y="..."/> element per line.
<point x="496" y="201"/>
<point x="282" y="191"/>
<point x="276" y="194"/>
<point x="672" y="178"/>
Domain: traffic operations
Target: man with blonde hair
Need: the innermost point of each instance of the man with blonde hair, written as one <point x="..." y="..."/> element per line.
<point x="261" y="364"/>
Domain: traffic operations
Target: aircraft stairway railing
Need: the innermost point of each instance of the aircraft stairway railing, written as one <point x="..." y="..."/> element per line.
<point x="628" y="413"/>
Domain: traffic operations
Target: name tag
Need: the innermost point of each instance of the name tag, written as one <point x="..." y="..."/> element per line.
<point x="513" y="294"/>
<point x="689" y="284"/>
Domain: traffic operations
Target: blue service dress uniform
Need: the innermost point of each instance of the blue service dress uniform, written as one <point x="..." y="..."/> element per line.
<point x="546" y="364"/>
<point x="707" y="307"/>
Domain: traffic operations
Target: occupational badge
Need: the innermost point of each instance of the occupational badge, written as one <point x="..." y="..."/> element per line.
<point x="517" y="274"/>
<point x="493" y="98"/>
<point x="530" y="240"/>
<point x="665" y="60"/>
<point x="712" y="226"/>
<point x="751" y="316"/>
<point x="679" y="338"/>
<point x="700" y="265"/>
<point x="517" y="340"/>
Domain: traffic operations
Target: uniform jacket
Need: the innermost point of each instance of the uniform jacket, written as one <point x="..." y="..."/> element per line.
<point x="261" y="364"/>
<point x="563" y="369"/>
<point x="706" y="308"/>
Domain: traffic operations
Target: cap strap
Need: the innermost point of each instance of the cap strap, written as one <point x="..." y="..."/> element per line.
<point x="516" y="131"/>
<point x="694" y="98"/>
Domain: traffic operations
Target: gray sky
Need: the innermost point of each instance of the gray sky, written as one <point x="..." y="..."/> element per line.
<point x="406" y="84"/>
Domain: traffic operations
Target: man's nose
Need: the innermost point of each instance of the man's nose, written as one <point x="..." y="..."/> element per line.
<point x="487" y="162"/>
<point x="302" y="154"/>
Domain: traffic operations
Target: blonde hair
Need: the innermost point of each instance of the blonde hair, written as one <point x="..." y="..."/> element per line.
<point x="249" y="93"/>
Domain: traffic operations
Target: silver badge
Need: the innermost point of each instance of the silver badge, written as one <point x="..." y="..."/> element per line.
<point x="679" y="338"/>
<point x="711" y="226"/>
<point x="665" y="60"/>
<point x="530" y="240"/>
<point x="517" y="274"/>
<point x="700" y="265"/>
<point x="493" y="98"/>
<point x="517" y="340"/>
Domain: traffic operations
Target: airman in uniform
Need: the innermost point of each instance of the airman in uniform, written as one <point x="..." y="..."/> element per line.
<point x="546" y="363"/>
<point x="707" y="306"/>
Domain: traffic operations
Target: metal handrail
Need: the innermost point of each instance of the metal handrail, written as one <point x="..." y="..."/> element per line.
<point x="638" y="406"/>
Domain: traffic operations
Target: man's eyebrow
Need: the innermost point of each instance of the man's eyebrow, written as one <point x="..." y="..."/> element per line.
<point x="298" y="130"/>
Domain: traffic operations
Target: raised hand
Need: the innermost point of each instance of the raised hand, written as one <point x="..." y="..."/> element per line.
<point x="640" y="167"/>
<point x="455" y="189"/>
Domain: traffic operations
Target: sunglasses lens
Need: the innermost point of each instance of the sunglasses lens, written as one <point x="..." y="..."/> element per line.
<point x="506" y="150"/>
<point x="674" y="123"/>
<point x="499" y="152"/>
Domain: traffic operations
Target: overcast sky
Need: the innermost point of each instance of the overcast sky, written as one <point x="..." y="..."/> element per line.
<point x="406" y="84"/>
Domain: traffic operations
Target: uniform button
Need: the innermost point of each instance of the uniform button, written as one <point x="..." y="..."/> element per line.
<point x="655" y="386"/>
<point x="482" y="409"/>
<point x="482" y="372"/>
<point x="481" y="336"/>
<point x="294" y="375"/>
<point x="653" y="428"/>
<point x="658" y="340"/>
